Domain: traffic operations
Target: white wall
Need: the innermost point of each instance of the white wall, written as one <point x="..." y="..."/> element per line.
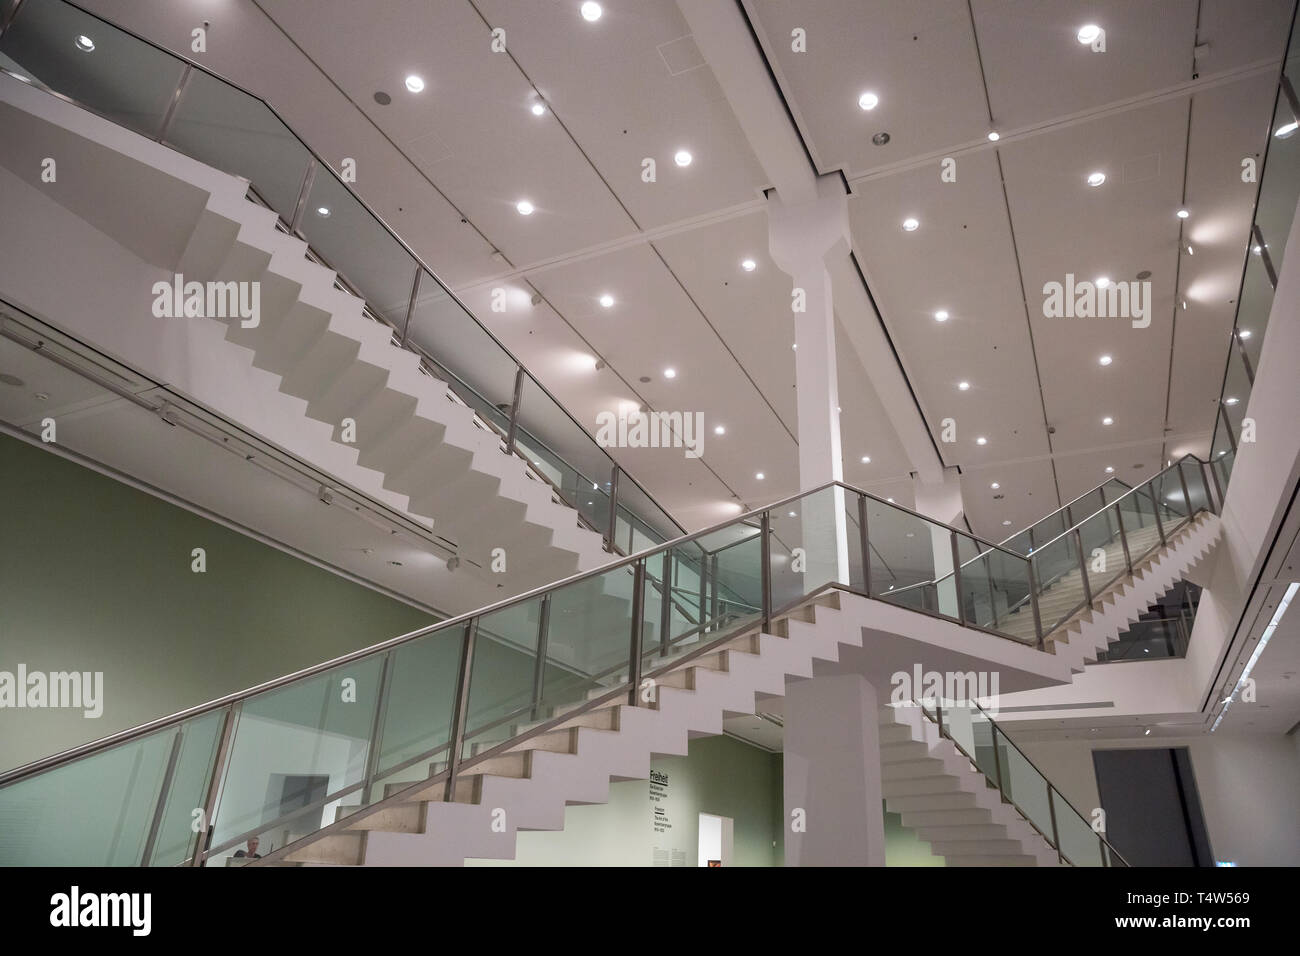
<point x="1249" y="789"/>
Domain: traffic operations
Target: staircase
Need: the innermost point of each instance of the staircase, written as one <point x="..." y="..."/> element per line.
<point x="315" y="358"/>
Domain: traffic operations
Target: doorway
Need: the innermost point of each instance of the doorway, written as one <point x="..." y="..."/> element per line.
<point x="1153" y="812"/>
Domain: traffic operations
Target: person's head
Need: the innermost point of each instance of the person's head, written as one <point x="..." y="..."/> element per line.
<point x="252" y="845"/>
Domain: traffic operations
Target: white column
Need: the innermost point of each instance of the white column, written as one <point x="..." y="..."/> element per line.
<point x="802" y="238"/>
<point x="942" y="502"/>
<point x="834" y="815"/>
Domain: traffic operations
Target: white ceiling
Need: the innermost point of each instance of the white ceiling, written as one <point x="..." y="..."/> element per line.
<point x="632" y="86"/>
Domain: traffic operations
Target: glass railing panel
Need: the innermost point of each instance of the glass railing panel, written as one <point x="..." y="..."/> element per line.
<point x="908" y="553"/>
<point x="812" y="545"/>
<point x="1198" y="493"/>
<point x="1279" y="185"/>
<point x="1103" y="550"/>
<point x="652" y="522"/>
<point x="1139" y="516"/>
<point x="670" y="613"/>
<point x="238" y="134"/>
<point x="358" y="247"/>
<point x="176" y="838"/>
<point x="588" y="640"/>
<point x="1079" y="843"/>
<point x="857" y="578"/>
<point x="1058" y="581"/>
<point x="1086" y="505"/>
<point x="99" y="66"/>
<point x="1047" y="528"/>
<point x="507" y="684"/>
<point x="1236" y="392"/>
<point x="418" y="708"/>
<point x="996" y="590"/>
<point x="97" y="811"/>
<point x="1168" y="491"/>
<point x="1023" y="785"/>
<point x="737" y="572"/>
<point x="295" y="747"/>
<point x="1253" y="309"/>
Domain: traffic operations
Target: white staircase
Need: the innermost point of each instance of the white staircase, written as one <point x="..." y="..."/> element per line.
<point x="947" y="801"/>
<point x="314" y="359"/>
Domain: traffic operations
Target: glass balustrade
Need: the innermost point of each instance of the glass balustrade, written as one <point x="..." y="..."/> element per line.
<point x="180" y="104"/>
<point x="422" y="709"/>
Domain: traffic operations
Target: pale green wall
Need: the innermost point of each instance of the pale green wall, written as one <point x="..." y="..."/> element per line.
<point x="95" y="576"/>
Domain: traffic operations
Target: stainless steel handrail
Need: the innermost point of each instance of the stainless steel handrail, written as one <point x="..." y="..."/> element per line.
<point x="1069" y="504"/>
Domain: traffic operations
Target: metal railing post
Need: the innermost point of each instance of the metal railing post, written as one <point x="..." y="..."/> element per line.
<point x="214" y="784"/>
<point x="1083" y="567"/>
<point x="1123" y="539"/>
<point x="1056" y="836"/>
<point x="308" y="177"/>
<point x="956" y="578"/>
<point x="765" y="551"/>
<point x="166" y="125"/>
<point x="1033" y="601"/>
<point x="613" y="506"/>
<point x="1155" y="506"/>
<point x="543" y="647"/>
<point x="666" y="605"/>
<point x="461" y="713"/>
<point x="377" y="727"/>
<point x="410" y="312"/>
<point x="638" y="632"/>
<point x="513" y="429"/>
<point x="997" y="761"/>
<point x="1187" y="495"/>
<point x="161" y="805"/>
<point x="866" y="543"/>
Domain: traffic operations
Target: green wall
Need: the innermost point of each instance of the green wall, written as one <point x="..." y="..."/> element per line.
<point x="96" y="576"/>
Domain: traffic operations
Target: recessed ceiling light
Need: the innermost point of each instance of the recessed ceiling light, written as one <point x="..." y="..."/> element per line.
<point x="1183" y="214"/>
<point x="1102" y="282"/>
<point x="795" y="346"/>
<point x="1286" y="129"/>
<point x="1096" y="179"/>
<point x="682" y="158"/>
<point x="1110" y="470"/>
<point x="414" y="83"/>
<point x="866" y="459"/>
<point x="1088" y="33"/>
<point x="794" y="514"/>
<point x="1189" y="251"/>
<point x="868" y="101"/>
<point x="538" y="109"/>
<point x="1006" y="522"/>
<point x="1244" y="334"/>
<point x="759" y="476"/>
<point x="323" y="211"/>
<point x="891" y="501"/>
<point x="525" y="207"/>
<point x="85" y="44"/>
<point x="607" y="301"/>
<point x="1257" y="249"/>
<point x="670" y="373"/>
<point x="719" y="430"/>
<point x="941" y="315"/>
<point x="1231" y="401"/>
<point x="981" y="440"/>
<point x="1108" y="420"/>
<point x="591" y="11"/>
<point x="963" y="385"/>
<point x="910" y="224"/>
<point x="749" y="265"/>
<point x="994" y="136"/>
<point x="1105" y="360"/>
<point x="995" y="486"/>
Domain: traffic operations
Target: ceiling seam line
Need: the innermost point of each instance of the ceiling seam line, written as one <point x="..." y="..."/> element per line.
<point x="366" y="116"/>
<point x="572" y="139"/>
<point x="1178" y="278"/>
<point x="1029" y="325"/>
<point x="1087" y="116"/>
<point x="723" y="342"/>
<point x="979" y="60"/>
